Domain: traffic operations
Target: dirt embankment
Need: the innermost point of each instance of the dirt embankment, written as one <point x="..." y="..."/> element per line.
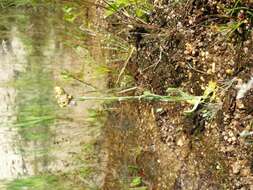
<point x="186" y="45"/>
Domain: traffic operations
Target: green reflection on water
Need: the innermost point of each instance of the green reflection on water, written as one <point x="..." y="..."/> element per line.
<point x="36" y="183"/>
<point x="35" y="108"/>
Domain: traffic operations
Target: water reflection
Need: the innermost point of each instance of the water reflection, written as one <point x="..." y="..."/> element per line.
<point x="12" y="61"/>
<point x="36" y="137"/>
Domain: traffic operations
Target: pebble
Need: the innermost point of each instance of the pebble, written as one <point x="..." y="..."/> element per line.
<point x="181" y="140"/>
<point x="236" y="167"/>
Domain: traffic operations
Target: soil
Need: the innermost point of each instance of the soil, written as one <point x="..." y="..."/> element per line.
<point x="181" y="46"/>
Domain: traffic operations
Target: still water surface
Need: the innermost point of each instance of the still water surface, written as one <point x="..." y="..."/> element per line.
<point x="37" y="137"/>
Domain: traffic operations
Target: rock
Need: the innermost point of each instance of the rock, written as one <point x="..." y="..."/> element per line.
<point x="236" y="167"/>
<point x="181" y="140"/>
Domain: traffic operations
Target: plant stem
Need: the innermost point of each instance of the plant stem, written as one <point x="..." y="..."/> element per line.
<point x="147" y="97"/>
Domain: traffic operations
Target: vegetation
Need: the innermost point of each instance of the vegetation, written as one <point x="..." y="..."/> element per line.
<point x="136" y="9"/>
<point x="240" y="19"/>
<point x="182" y="57"/>
<point x="174" y="95"/>
<point x="35" y="183"/>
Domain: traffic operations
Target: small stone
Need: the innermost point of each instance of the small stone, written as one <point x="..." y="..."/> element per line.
<point x="236" y="167"/>
<point x="181" y="141"/>
<point x="209" y="71"/>
<point x="213" y="67"/>
<point x="190" y="22"/>
<point x="246" y="50"/>
<point x="240" y="104"/>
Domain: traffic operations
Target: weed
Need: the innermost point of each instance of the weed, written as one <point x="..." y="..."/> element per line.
<point x="230" y="28"/>
<point x="136" y="181"/>
<point x="147" y="96"/>
<point x="31" y="121"/>
<point x="130" y="8"/>
<point x="174" y="95"/>
<point x="35" y="183"/>
<point x="240" y="20"/>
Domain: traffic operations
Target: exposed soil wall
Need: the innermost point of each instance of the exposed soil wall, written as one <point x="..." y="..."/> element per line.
<point x="184" y="45"/>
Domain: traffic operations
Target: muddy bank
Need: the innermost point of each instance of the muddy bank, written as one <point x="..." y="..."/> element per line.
<point x="186" y="45"/>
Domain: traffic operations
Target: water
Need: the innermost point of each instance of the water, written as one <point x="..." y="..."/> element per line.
<point x="90" y="145"/>
<point x="42" y="145"/>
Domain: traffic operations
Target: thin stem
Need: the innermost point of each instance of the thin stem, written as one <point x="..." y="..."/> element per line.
<point x="147" y="97"/>
<point x="125" y="64"/>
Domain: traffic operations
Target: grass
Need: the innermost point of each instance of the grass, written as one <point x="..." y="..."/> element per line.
<point x="173" y="95"/>
<point x="136" y="181"/>
<point x="35" y="183"/>
<point x="31" y="121"/>
<point x="240" y="19"/>
<point x="137" y="9"/>
<point x="147" y="96"/>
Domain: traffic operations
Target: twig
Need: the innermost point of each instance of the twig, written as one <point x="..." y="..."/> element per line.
<point x="125" y="65"/>
<point x="156" y="63"/>
<point x="190" y="66"/>
<point x="127" y="90"/>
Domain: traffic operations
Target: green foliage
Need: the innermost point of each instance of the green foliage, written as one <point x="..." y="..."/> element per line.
<point x="137" y="8"/>
<point x="96" y="116"/>
<point x="31" y="121"/>
<point x="35" y="183"/>
<point x="240" y="19"/>
<point x="70" y="13"/>
<point x="174" y="95"/>
<point x="136" y="182"/>
<point x="230" y="28"/>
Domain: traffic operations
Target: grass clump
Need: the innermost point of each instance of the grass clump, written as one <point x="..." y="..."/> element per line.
<point x="240" y="19"/>
<point x="35" y="183"/>
<point x="173" y="95"/>
<point x="138" y="9"/>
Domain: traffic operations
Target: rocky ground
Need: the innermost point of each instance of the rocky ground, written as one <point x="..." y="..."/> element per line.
<point x="186" y="45"/>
